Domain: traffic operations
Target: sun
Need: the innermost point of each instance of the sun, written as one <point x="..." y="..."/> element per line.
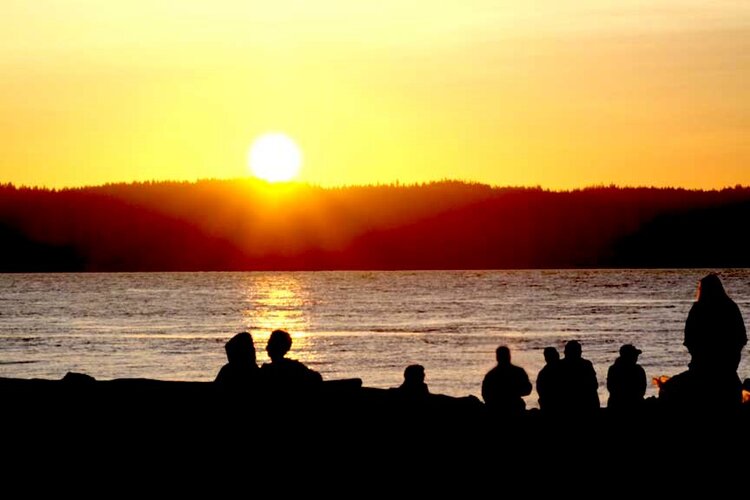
<point x="275" y="157"/>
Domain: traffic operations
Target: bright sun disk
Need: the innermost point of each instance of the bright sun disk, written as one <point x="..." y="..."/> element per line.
<point x="275" y="157"/>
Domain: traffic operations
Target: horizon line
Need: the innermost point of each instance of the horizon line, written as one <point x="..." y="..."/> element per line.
<point x="394" y="184"/>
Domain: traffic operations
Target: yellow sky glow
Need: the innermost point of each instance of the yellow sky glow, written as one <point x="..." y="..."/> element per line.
<point x="502" y="92"/>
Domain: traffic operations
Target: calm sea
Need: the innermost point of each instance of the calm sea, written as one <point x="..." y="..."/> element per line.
<point x="348" y="324"/>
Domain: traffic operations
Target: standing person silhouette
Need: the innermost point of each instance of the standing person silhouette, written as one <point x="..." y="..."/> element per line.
<point x="626" y="382"/>
<point x="505" y="385"/>
<point x="241" y="370"/>
<point x="578" y="380"/>
<point x="548" y="382"/>
<point x="715" y="336"/>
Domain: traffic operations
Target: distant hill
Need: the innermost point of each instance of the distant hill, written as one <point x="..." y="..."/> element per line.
<point x="249" y="225"/>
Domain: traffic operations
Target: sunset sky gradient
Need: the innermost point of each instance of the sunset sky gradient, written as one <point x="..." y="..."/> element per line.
<point x="557" y="94"/>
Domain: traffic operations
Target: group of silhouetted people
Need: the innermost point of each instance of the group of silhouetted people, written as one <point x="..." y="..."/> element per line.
<point x="567" y="386"/>
<point x="281" y="376"/>
<point x="714" y="335"/>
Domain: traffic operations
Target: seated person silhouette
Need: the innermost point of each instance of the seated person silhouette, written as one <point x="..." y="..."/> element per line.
<point x="579" y="387"/>
<point x="626" y="381"/>
<point x="413" y="385"/>
<point x="548" y="382"/>
<point x="241" y="370"/>
<point x="505" y="385"/>
<point x="412" y="397"/>
<point x="285" y="375"/>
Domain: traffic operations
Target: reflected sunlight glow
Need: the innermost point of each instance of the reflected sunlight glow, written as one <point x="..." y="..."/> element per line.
<point x="278" y="302"/>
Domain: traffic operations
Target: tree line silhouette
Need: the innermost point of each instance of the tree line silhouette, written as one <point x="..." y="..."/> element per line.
<point x="250" y="225"/>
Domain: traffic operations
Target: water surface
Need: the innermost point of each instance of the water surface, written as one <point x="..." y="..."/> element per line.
<point x="348" y="324"/>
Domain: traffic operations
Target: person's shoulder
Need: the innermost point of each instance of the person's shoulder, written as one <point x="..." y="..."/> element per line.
<point x="291" y="362"/>
<point x="295" y="365"/>
<point x="551" y="367"/>
<point x="229" y="374"/>
<point x="223" y="371"/>
<point x="695" y="309"/>
<point x="519" y="369"/>
<point x="490" y="376"/>
<point x="735" y="307"/>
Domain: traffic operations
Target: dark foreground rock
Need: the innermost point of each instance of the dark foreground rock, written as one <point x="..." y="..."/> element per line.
<point x="139" y="424"/>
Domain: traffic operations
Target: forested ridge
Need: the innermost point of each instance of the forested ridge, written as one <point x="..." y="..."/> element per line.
<point x="249" y="225"/>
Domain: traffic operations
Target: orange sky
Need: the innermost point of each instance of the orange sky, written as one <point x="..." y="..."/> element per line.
<point x="506" y="92"/>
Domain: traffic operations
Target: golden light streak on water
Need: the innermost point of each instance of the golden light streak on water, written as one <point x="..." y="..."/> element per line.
<point x="278" y="301"/>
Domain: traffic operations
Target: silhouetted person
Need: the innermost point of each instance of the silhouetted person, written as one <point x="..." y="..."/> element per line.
<point x="241" y="370"/>
<point x="505" y="385"/>
<point x="413" y="385"/>
<point x="548" y="382"/>
<point x="715" y="336"/>
<point x="578" y="382"/>
<point x="626" y="381"/>
<point x="412" y="398"/>
<point x="283" y="374"/>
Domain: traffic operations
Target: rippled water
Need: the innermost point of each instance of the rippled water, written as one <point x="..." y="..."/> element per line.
<point x="348" y="324"/>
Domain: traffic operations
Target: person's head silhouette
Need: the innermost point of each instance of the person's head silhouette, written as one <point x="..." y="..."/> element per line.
<point x="240" y="349"/>
<point x="414" y="374"/>
<point x="710" y="288"/>
<point x="629" y="353"/>
<point x="279" y="344"/>
<point x="573" y="350"/>
<point x="502" y="354"/>
<point x="551" y="355"/>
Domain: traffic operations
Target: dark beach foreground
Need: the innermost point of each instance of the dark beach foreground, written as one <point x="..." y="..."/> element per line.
<point x="138" y="436"/>
<point x="343" y="421"/>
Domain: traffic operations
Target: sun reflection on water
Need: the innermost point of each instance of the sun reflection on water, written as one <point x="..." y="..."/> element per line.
<point x="279" y="301"/>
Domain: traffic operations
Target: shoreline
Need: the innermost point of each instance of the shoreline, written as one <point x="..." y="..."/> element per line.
<point x="26" y="396"/>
